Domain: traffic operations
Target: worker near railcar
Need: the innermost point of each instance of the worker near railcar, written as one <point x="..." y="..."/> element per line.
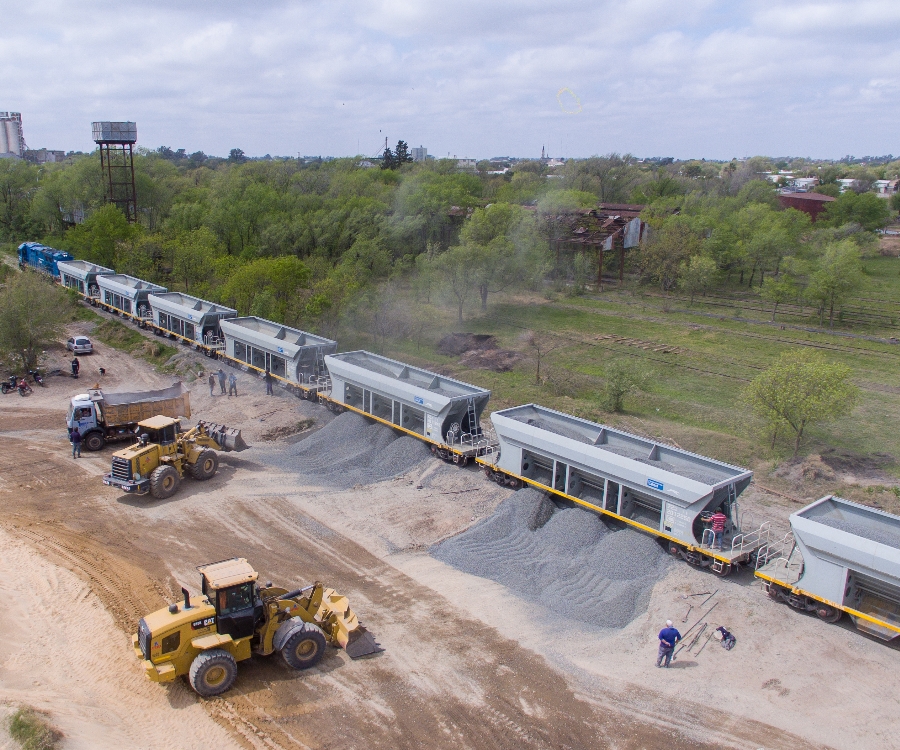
<point x="668" y="637"/>
<point x="268" y="379"/>
<point x="221" y="374"/>
<point x="76" y="366"/>
<point x="212" y="383"/>
<point x="232" y="385"/>
<point x="75" y="437"/>
<point x="717" y="524"/>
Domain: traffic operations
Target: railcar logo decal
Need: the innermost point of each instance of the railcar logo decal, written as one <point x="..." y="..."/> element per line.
<point x="655" y="485"/>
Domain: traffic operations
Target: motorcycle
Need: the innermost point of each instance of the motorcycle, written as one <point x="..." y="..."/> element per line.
<point x="24" y="389"/>
<point x="37" y="378"/>
<point x="9" y="385"/>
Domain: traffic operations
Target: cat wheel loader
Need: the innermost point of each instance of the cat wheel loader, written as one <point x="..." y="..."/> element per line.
<point x="163" y="455"/>
<point x="204" y="637"/>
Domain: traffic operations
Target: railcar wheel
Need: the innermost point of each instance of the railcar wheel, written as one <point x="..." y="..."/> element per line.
<point x="674" y="550"/>
<point x="829" y="614"/>
<point x="774" y="592"/>
<point x="724" y="571"/>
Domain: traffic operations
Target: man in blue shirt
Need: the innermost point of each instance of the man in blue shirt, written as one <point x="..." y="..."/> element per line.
<point x="668" y="637"/>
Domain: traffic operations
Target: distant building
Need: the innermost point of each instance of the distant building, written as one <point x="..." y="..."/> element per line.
<point x="12" y="139"/>
<point x="885" y="188"/>
<point x="803" y="184"/>
<point x="419" y="154"/>
<point x="468" y="164"/>
<point x="366" y="164"/>
<point x="44" y="156"/>
<point x="847" y="183"/>
<point x="810" y="203"/>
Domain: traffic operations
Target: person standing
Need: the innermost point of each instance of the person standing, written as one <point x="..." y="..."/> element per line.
<point x="212" y="383"/>
<point x="668" y="637"/>
<point x="75" y="437"/>
<point x="717" y="523"/>
<point x="268" y="379"/>
<point x="232" y="385"/>
<point x="76" y="366"/>
<point x="221" y="374"/>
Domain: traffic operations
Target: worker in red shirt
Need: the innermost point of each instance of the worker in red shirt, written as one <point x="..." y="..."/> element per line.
<point x="717" y="523"/>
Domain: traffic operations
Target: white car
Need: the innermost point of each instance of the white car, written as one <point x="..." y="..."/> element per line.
<point x="80" y="345"/>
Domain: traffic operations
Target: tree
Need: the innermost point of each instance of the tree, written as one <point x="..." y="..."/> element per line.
<point x="839" y="273"/>
<point x="664" y="254"/>
<point x="97" y="239"/>
<point x="866" y="209"/>
<point x="489" y="233"/>
<point x="541" y="344"/>
<point x="32" y="315"/>
<point x="696" y="275"/>
<point x="279" y="278"/>
<point x="193" y="254"/>
<point x="457" y="271"/>
<point x="236" y="156"/>
<point x="799" y="390"/>
<point x="401" y="154"/>
<point x="622" y="379"/>
<point x="778" y="290"/>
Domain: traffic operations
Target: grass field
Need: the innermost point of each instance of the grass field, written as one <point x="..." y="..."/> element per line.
<point x="695" y="393"/>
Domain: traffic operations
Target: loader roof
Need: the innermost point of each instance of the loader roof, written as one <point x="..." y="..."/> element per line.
<point x="228" y="573"/>
<point x="157" y="422"/>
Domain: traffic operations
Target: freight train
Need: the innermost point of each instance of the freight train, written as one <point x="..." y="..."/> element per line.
<point x="827" y="564"/>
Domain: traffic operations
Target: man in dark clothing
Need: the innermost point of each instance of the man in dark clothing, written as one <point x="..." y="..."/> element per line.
<point x="668" y="637"/>
<point x="76" y="366"/>
<point x="268" y="379"/>
<point x="75" y="437"/>
<point x="221" y="375"/>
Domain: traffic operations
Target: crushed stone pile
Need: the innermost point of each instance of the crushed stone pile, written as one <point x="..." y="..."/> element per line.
<point x="350" y="450"/>
<point x="567" y="560"/>
<point x="880" y="534"/>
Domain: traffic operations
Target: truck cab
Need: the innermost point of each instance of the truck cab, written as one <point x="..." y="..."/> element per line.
<point x="83" y="415"/>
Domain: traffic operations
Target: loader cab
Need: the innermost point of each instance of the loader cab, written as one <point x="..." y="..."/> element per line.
<point x="230" y="586"/>
<point x="159" y="430"/>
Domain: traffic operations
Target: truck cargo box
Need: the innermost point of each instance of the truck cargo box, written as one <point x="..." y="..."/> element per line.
<point x="122" y="408"/>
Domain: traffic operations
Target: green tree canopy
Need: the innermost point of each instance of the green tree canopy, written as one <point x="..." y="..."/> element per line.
<point x="799" y="390"/>
<point x="866" y="209"/>
<point x="32" y="316"/>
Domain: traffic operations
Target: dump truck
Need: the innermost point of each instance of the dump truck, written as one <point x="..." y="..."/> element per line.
<point x="203" y="637"/>
<point x="107" y="417"/>
<point x="163" y="455"/>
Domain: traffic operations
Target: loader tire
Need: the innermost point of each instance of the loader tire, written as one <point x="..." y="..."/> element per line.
<point x="163" y="482"/>
<point x="213" y="672"/>
<point x="206" y="466"/>
<point x="305" y="648"/>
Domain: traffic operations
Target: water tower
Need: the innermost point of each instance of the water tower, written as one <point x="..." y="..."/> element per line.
<point x="116" y="141"/>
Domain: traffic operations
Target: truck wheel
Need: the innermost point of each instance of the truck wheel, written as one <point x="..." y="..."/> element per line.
<point x="94" y="441"/>
<point x="212" y="672"/>
<point x="163" y="482"/>
<point x="206" y="466"/>
<point x="305" y="648"/>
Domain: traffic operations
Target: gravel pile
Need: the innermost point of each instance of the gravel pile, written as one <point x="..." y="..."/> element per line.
<point x="880" y="534"/>
<point x="350" y="450"/>
<point x="567" y="560"/>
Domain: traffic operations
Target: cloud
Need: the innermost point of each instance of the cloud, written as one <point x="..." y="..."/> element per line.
<point x="696" y="78"/>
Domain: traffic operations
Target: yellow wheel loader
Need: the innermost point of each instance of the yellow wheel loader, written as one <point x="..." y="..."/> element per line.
<point x="235" y="618"/>
<point x="163" y="455"/>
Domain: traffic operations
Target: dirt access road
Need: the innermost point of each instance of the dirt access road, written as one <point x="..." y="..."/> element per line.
<point x="86" y="562"/>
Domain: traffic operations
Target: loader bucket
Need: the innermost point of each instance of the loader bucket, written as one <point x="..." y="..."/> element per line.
<point x="362" y="643"/>
<point x="228" y="438"/>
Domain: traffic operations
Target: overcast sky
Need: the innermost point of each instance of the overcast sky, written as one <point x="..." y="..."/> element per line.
<point x="476" y="78"/>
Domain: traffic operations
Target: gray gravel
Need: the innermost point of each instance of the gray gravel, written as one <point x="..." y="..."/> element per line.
<point x="567" y="560"/>
<point x="881" y="534"/>
<point x="349" y="451"/>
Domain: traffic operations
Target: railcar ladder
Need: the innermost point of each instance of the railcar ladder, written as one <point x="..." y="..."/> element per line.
<point x="474" y="427"/>
<point x="320" y="362"/>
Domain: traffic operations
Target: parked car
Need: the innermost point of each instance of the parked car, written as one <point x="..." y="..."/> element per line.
<point x="80" y="345"/>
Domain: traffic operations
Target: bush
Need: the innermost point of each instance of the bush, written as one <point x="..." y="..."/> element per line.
<point x="32" y="731"/>
<point x="622" y="379"/>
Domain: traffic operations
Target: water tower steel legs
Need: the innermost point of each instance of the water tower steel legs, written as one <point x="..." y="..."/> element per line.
<point x="117" y="164"/>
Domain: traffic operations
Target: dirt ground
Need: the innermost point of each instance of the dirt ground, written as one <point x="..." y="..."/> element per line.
<point x="466" y="663"/>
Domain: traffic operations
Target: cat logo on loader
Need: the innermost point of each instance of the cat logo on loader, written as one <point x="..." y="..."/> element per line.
<point x="235" y="619"/>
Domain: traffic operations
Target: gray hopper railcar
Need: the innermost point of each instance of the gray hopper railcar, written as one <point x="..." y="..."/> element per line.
<point x="445" y="412"/>
<point x="839" y="557"/>
<point x="82" y="276"/>
<point x="668" y="492"/>
<point x="193" y="320"/>
<point x="289" y="354"/>
<point x="125" y="294"/>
